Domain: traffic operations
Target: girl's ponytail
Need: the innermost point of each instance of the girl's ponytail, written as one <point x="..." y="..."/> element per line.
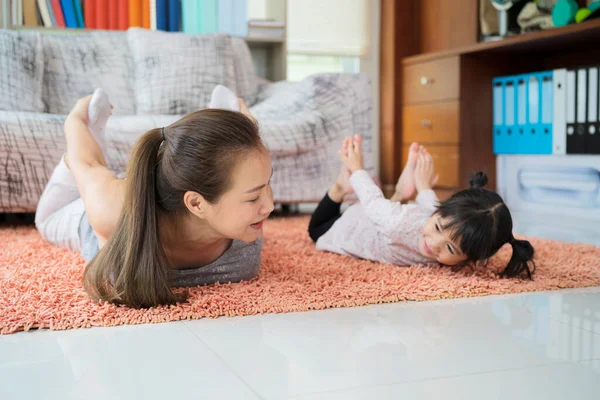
<point x="521" y="257"/>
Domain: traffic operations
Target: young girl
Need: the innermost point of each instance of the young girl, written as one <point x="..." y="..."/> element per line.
<point x="471" y="226"/>
<point x="190" y="211"/>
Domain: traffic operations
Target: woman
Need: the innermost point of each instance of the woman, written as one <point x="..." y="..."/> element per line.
<point x="190" y="211"/>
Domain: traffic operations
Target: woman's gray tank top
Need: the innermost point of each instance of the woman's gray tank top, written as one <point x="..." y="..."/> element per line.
<point x="240" y="262"/>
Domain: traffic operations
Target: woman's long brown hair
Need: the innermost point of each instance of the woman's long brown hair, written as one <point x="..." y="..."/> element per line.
<point x="198" y="154"/>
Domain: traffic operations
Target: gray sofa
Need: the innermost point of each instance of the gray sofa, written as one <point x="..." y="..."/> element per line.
<point x="152" y="79"/>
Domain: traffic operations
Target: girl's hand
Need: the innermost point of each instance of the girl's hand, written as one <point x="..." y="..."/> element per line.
<point x="351" y="153"/>
<point x="425" y="176"/>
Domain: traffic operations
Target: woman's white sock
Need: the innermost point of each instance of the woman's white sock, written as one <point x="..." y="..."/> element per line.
<point x="98" y="112"/>
<point x="224" y="98"/>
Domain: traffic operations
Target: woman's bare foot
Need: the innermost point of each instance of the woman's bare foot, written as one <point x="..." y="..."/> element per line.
<point x="405" y="188"/>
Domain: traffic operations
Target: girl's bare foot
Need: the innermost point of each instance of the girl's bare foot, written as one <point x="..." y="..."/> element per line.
<point x="436" y="177"/>
<point x="343" y="179"/>
<point x="405" y="188"/>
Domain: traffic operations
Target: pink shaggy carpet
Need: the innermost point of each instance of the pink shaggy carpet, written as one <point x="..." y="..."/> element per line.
<point x="40" y="285"/>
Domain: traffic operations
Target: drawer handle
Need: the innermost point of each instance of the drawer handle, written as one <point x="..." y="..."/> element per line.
<point x="426" y="123"/>
<point x="426" y="81"/>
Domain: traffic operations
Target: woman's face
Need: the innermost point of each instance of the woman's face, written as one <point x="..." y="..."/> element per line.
<point x="240" y="212"/>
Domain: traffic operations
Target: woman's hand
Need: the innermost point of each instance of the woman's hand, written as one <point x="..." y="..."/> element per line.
<point x="351" y="153"/>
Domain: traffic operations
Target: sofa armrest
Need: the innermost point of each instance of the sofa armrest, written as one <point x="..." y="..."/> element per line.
<point x="31" y="145"/>
<point x="296" y="117"/>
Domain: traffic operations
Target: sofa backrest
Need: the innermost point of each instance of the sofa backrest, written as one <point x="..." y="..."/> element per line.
<point x="143" y="72"/>
<point x="76" y="64"/>
<point x="21" y="71"/>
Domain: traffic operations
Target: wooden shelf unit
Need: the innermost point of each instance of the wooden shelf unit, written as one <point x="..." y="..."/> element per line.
<point x="443" y="98"/>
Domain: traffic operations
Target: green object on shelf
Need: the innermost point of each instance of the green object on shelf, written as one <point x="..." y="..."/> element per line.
<point x="593" y="6"/>
<point x="190" y="20"/>
<point x="563" y="12"/>
<point x="582" y="14"/>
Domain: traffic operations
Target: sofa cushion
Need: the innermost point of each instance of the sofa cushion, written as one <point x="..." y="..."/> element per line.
<point x="76" y="64"/>
<point x="246" y="79"/>
<point x="21" y="71"/>
<point x="175" y="73"/>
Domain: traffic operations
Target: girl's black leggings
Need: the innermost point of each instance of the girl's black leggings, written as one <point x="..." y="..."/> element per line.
<point x="327" y="212"/>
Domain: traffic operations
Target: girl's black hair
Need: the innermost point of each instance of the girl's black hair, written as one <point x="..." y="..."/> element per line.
<point x="481" y="222"/>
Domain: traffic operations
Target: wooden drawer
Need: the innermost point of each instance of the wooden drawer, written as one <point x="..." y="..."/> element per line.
<point x="444" y="194"/>
<point x="446" y="163"/>
<point x="431" y="123"/>
<point x="431" y="81"/>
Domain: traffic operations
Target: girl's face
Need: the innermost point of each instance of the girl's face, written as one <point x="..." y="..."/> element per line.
<point x="242" y="210"/>
<point x="436" y="243"/>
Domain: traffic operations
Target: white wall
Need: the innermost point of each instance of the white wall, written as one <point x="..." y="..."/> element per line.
<point x="329" y="27"/>
<point x="263" y="9"/>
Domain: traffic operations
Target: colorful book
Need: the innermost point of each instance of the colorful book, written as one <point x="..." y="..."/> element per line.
<point x="174" y="15"/>
<point x="78" y="13"/>
<point x="240" y="18"/>
<point x="45" y="13"/>
<point x="233" y="17"/>
<point x="89" y="13"/>
<point x="162" y="20"/>
<point x="189" y="16"/>
<point x="19" y="12"/>
<point x="113" y="14"/>
<point x="101" y="15"/>
<point x="69" y="13"/>
<point x="5" y="14"/>
<point x="51" y="12"/>
<point x="123" y="15"/>
<point x="58" y="13"/>
<point x="153" y="15"/>
<point x="207" y="16"/>
<point x="135" y="13"/>
<point x="13" y="13"/>
<point x="225" y="16"/>
<point x="146" y="14"/>
<point x="29" y="13"/>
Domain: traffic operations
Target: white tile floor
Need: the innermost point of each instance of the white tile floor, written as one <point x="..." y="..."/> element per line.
<point x="528" y="346"/>
<point x="543" y="345"/>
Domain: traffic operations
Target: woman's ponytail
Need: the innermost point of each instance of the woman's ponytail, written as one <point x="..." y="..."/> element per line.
<point x="132" y="267"/>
